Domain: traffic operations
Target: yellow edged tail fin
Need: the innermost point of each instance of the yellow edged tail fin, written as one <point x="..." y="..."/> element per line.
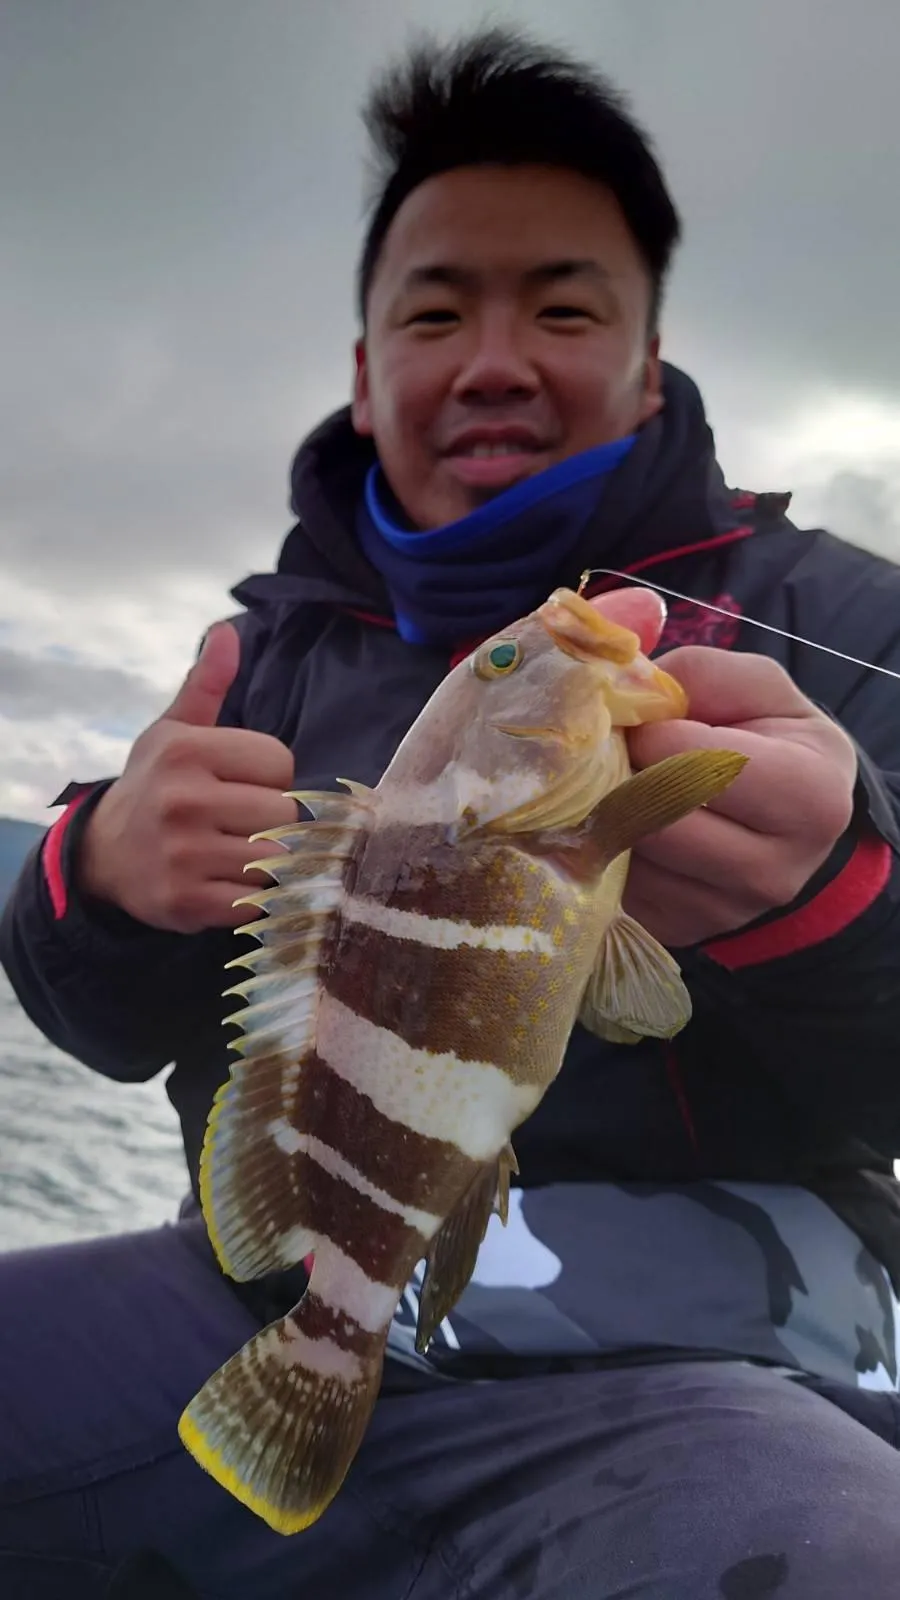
<point x="279" y="1424"/>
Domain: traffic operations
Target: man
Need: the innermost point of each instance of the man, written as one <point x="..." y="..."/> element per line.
<point x="674" y="1375"/>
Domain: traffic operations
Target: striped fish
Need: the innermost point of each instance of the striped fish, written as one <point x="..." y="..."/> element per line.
<point x="426" y="951"/>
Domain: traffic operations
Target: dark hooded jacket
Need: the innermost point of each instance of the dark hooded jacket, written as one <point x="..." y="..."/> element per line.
<point x="789" y="1072"/>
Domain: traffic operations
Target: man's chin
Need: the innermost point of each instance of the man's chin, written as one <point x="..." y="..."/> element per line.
<point x="467" y="492"/>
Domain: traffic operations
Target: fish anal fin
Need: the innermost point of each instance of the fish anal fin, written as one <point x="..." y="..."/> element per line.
<point x="452" y="1253"/>
<point x="636" y="989"/>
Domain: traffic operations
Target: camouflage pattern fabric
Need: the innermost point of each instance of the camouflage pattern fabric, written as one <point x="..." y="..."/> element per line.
<point x="757" y="1272"/>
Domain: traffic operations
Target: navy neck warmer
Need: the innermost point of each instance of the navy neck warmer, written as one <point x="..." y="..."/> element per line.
<point x="471" y="577"/>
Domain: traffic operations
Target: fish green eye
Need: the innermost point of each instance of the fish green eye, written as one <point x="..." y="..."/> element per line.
<point x="498" y="660"/>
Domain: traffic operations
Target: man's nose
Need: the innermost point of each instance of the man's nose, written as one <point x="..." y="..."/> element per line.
<point x="496" y="365"/>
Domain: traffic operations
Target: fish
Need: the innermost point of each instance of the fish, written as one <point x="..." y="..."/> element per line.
<point x="425" y="949"/>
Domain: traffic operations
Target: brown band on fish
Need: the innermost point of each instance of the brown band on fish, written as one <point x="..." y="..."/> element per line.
<point x="376" y="1239"/>
<point x="422" y="869"/>
<point x="322" y="1321"/>
<point x="477" y="1004"/>
<point x="319" y="1102"/>
<point x="410" y="1167"/>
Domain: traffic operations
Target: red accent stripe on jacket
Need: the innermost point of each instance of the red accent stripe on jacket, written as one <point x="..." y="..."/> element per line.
<point x="375" y="617"/>
<point x="856" y="887"/>
<point x="51" y="858"/>
<point x="676" y="1084"/>
<point x="603" y="584"/>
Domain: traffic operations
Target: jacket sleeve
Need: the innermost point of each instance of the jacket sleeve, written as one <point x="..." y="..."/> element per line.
<point x="117" y="995"/>
<point x="810" y="995"/>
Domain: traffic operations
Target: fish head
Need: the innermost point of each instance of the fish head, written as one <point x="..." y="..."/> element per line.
<point x="526" y="733"/>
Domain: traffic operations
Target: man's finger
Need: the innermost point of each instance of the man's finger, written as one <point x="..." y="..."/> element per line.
<point x="778" y="792"/>
<point x="201" y="696"/>
<point x="725" y="689"/>
<point x="679" y="911"/>
<point x="715" y="851"/>
<point x="641" y="610"/>
<point x="243" y="809"/>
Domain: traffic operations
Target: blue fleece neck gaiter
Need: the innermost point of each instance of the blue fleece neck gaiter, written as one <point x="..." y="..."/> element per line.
<point x="471" y="577"/>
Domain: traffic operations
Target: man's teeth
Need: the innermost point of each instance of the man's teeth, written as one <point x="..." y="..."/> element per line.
<point x="506" y="449"/>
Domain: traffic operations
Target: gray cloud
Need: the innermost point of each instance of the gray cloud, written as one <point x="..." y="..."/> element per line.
<point x="865" y="506"/>
<point x="32" y="687"/>
<point x="182" y="199"/>
<point x="183" y="190"/>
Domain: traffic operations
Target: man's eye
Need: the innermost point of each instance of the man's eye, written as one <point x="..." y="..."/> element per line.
<point x="562" y="313"/>
<point x="436" y="317"/>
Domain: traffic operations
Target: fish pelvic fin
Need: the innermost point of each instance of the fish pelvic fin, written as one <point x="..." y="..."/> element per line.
<point x="279" y="1425"/>
<point x="636" y="989"/>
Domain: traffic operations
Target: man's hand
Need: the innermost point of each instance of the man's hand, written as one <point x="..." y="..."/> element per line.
<point x="168" y="841"/>
<point x="755" y="847"/>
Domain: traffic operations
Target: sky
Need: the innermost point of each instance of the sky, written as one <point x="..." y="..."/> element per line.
<point x="183" y="193"/>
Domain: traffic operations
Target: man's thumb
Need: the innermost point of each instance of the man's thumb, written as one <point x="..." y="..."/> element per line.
<point x="200" y="698"/>
<point x="641" y="610"/>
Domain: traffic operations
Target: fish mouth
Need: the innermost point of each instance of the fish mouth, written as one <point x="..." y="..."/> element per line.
<point x="643" y="692"/>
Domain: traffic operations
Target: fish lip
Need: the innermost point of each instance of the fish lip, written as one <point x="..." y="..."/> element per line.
<point x="584" y="634"/>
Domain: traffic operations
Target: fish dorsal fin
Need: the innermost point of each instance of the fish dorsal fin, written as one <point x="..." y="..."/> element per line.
<point x="246" y="1212"/>
<point x="636" y="989"/>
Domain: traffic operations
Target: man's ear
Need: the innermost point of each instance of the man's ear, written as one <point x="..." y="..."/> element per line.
<point x="652" y="398"/>
<point x="360" y="409"/>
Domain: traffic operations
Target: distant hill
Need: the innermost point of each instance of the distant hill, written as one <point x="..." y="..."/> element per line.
<point x="16" y="839"/>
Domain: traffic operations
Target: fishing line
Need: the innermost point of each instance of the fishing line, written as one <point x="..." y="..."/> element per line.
<point x="752" y="622"/>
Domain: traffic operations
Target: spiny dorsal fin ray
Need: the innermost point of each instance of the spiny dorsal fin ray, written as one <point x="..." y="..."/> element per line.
<point x="247" y="1202"/>
<point x="326" y="805"/>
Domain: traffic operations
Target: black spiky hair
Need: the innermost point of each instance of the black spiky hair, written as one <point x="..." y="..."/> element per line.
<point x="498" y="97"/>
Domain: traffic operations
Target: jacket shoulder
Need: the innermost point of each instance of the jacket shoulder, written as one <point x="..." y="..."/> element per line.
<point x="843" y="587"/>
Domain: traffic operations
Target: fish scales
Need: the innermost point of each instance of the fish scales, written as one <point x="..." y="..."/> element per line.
<point x="425" y="952"/>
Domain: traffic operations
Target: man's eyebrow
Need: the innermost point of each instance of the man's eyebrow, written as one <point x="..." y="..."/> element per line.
<point x="569" y="267"/>
<point x="441" y="274"/>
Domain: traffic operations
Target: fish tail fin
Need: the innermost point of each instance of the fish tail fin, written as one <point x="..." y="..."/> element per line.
<point x="279" y="1424"/>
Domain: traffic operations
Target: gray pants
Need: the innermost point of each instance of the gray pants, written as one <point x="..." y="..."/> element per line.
<point x="681" y="1482"/>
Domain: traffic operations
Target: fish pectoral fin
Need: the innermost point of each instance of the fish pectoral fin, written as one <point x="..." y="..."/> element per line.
<point x="506" y="1164"/>
<point x="636" y="989"/>
<point x="452" y="1253"/>
<point x="279" y="1424"/>
<point x="652" y="799"/>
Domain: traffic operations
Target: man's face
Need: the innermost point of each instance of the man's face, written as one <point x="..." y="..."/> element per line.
<point x="507" y="328"/>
